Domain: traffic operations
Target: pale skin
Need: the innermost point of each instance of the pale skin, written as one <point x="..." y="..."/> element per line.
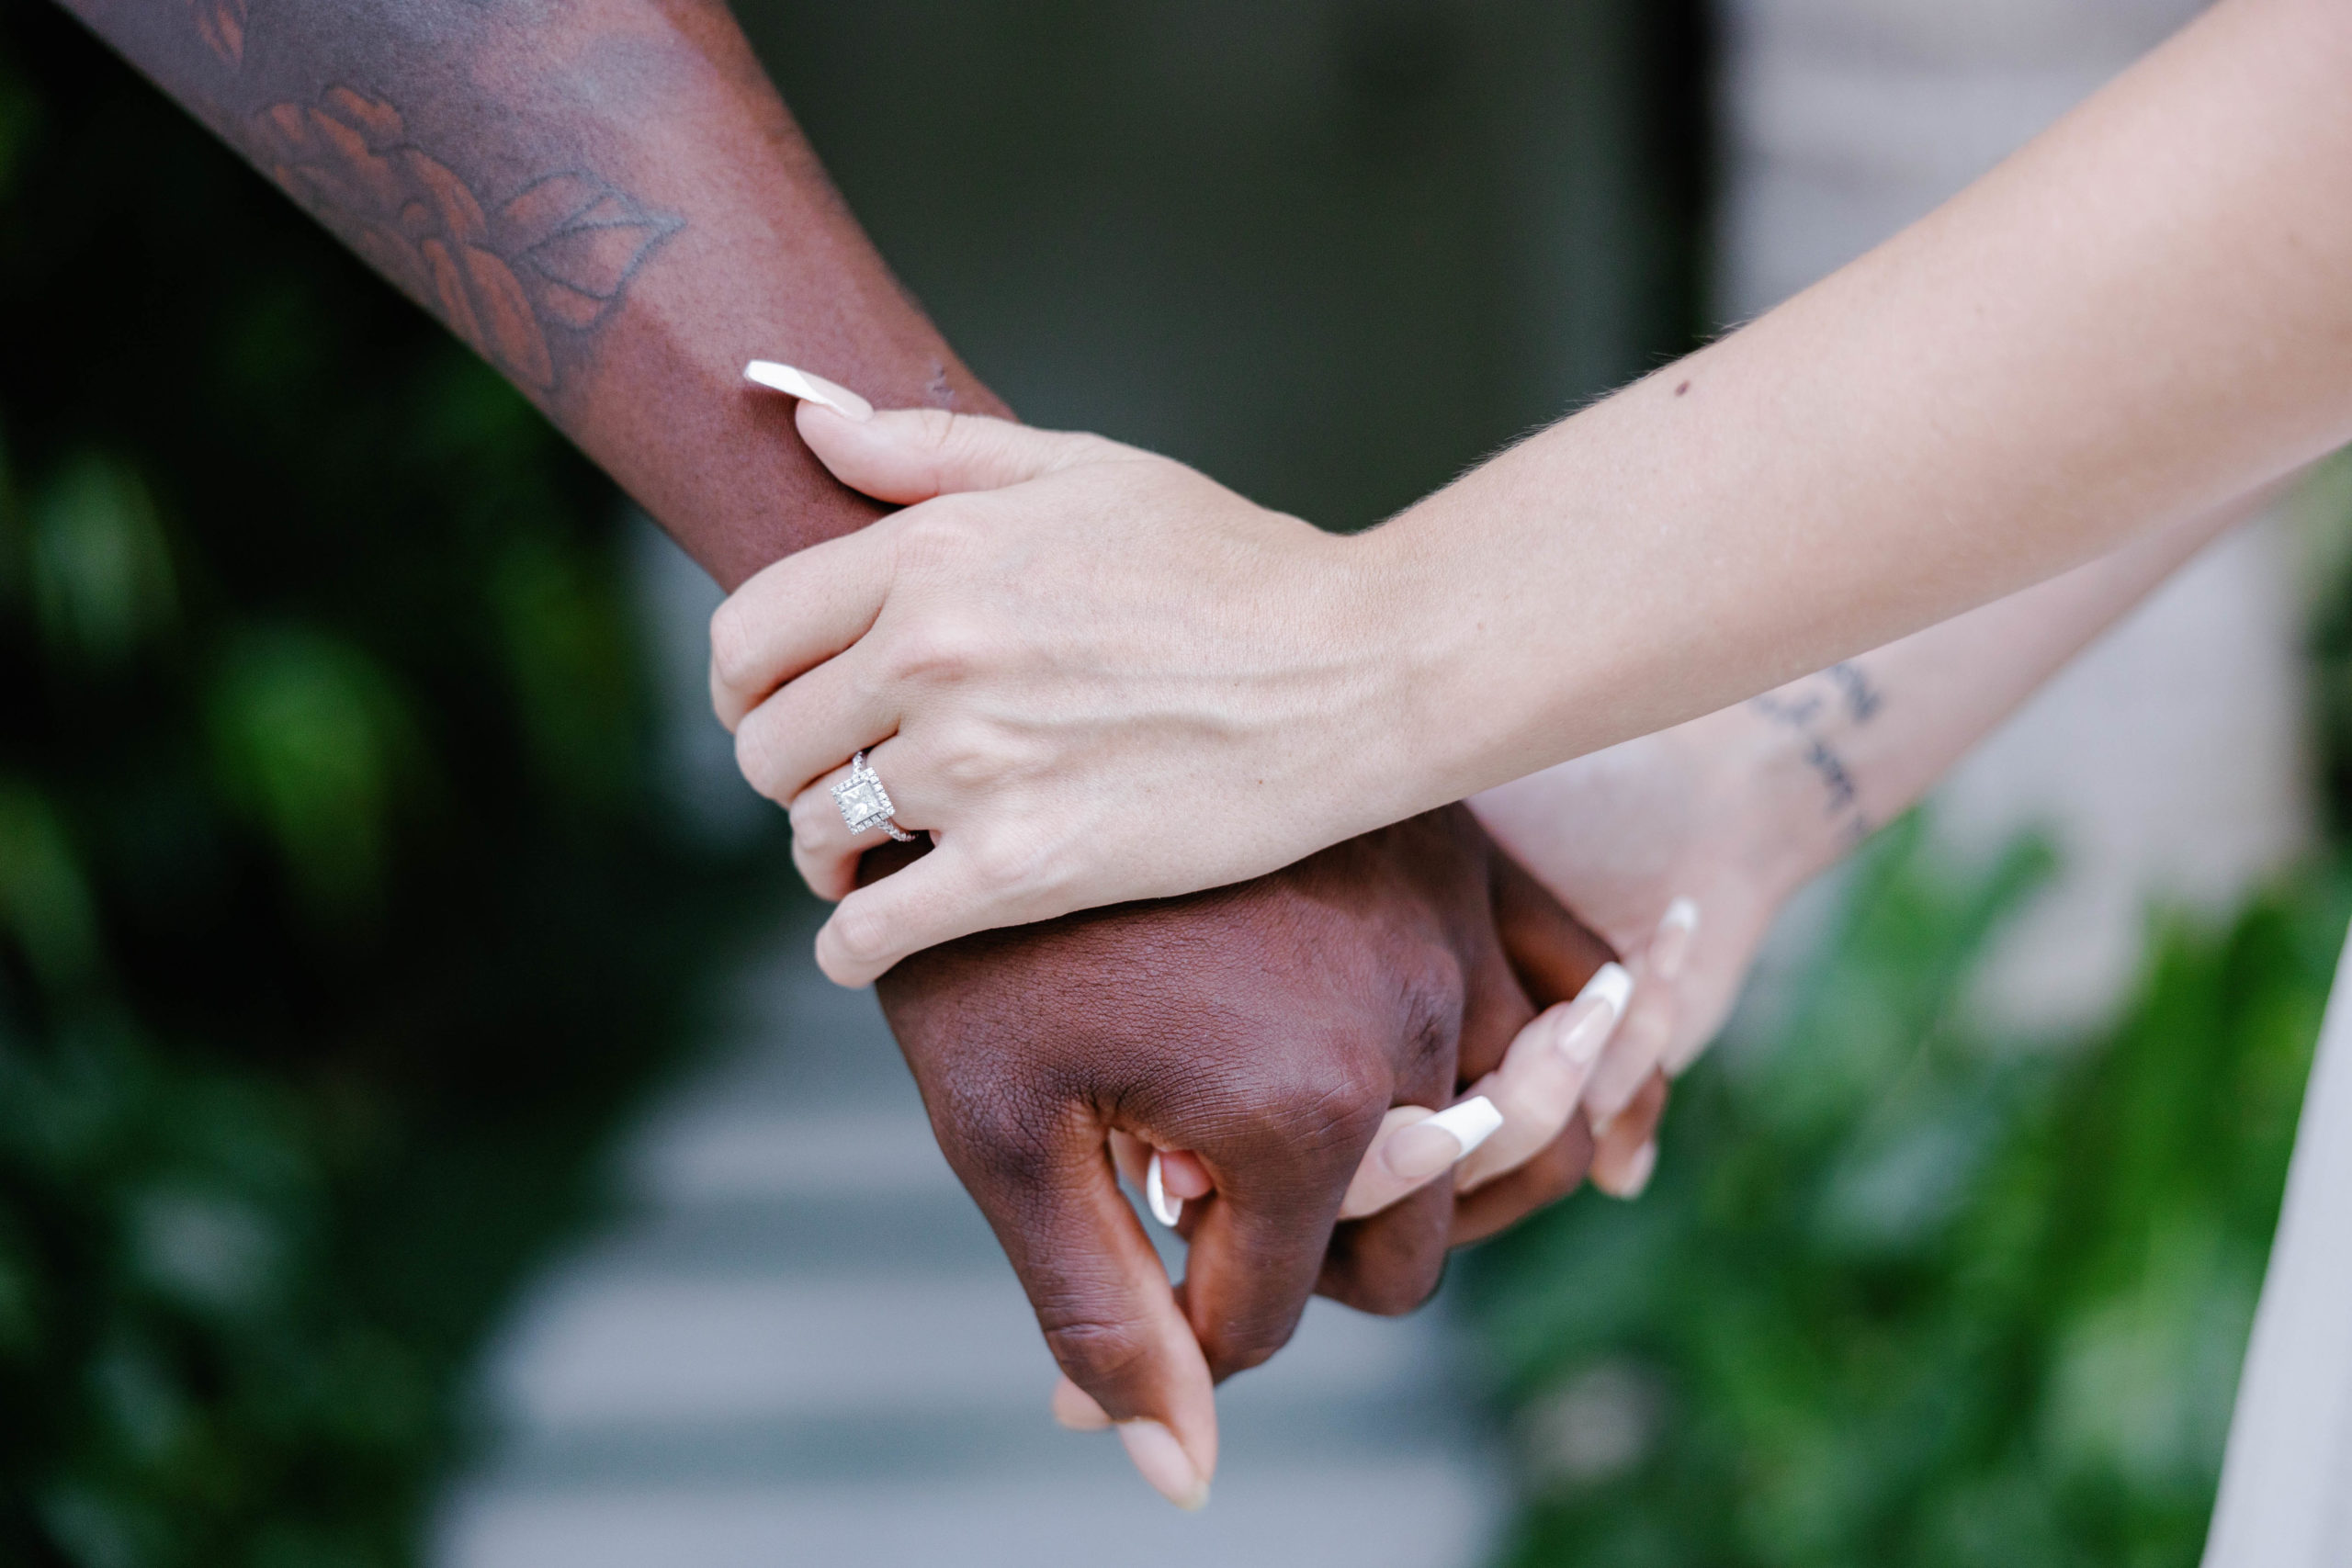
<point x="1729" y="815"/>
<point x="1094" y="675"/>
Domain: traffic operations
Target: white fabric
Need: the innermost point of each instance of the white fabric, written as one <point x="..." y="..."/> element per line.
<point x="2286" y="1499"/>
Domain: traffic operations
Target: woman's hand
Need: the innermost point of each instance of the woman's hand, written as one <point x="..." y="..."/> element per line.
<point x="1089" y="673"/>
<point x="1677" y="849"/>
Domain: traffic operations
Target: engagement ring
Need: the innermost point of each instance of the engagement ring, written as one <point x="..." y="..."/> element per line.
<point x="866" y="803"/>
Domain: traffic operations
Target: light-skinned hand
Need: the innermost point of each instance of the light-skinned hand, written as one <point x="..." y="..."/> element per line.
<point x="1164" y="711"/>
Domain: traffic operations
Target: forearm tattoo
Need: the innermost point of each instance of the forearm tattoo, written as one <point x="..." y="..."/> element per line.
<point x="1818" y="711"/>
<point x="518" y="281"/>
<point x="475" y="212"/>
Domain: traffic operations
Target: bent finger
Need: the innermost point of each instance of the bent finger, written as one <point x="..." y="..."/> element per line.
<point x="1648" y="1033"/>
<point x="1414" y="1146"/>
<point x="824" y="851"/>
<point x="1102" y="1300"/>
<point x="793" y="616"/>
<point x="1625" y="1156"/>
<point x="1544" y="1074"/>
<point x="1553" y="1172"/>
<point x="936" y="899"/>
<point x="813" y="725"/>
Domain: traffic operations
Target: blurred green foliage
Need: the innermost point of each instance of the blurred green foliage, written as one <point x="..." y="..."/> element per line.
<point x="1908" y="1292"/>
<point x="339" y="916"/>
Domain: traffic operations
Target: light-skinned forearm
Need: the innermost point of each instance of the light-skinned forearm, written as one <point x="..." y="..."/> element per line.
<point x="2145" y="313"/>
<point x="1864" y="738"/>
<point x="1729" y="814"/>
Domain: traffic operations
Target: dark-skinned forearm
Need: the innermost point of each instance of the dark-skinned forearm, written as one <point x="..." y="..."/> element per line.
<point x="604" y="197"/>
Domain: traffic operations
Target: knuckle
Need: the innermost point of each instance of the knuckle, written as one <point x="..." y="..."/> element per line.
<point x="1011" y="862"/>
<point x="1002" y="1129"/>
<point x="935" y="428"/>
<point x="939" y="648"/>
<point x="812" y="815"/>
<point x="1338" y="1109"/>
<point x="1097" y="1350"/>
<point x="1254" y="1342"/>
<point x="938" y="536"/>
<point x="756" y="758"/>
<point x="860" y="933"/>
<point x="731" y="646"/>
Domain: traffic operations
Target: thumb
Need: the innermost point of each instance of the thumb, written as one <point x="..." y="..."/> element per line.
<point x="905" y="456"/>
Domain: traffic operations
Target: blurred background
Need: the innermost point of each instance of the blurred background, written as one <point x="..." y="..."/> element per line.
<point x="422" y="1136"/>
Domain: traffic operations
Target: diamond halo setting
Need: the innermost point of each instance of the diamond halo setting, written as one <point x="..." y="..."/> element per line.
<point x="864" y="803"/>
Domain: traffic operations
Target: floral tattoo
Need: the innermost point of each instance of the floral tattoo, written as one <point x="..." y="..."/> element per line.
<point x="551" y="259"/>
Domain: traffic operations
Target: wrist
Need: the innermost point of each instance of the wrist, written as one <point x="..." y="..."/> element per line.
<point x="1436" y="639"/>
<point x="1801" y="796"/>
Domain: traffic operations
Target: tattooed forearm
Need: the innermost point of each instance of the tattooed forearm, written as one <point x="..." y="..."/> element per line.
<point x="524" y="272"/>
<point x="524" y="282"/>
<point x="1820" y="712"/>
<point x="604" y="198"/>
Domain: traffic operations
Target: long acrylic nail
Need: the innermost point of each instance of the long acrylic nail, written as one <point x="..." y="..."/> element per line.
<point x="1164" y="1209"/>
<point x="1471" y="1123"/>
<point x="1420" y="1151"/>
<point x="1162" y="1461"/>
<point x="795" y="382"/>
<point x="1671" y="945"/>
<point x="1594" y="1014"/>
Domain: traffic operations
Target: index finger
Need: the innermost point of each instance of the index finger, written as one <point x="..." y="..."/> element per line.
<point x="793" y="615"/>
<point x="1109" y="1315"/>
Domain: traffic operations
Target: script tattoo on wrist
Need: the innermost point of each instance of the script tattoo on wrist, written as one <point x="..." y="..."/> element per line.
<point x="1817" y="710"/>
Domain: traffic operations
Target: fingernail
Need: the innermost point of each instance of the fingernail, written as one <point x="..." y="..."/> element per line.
<point x="1416" y="1152"/>
<point x="1638" y="1170"/>
<point x="1164" y="1209"/>
<point x="1672" y="944"/>
<point x="1595" y="1012"/>
<point x="1162" y="1461"/>
<point x="795" y="382"/>
<point x="1471" y="1123"/>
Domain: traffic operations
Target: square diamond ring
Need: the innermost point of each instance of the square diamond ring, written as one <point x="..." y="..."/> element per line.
<point x="864" y="803"/>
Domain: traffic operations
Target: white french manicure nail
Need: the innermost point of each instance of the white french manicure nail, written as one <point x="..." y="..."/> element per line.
<point x="1611" y="988"/>
<point x="1672" y="944"/>
<point x="795" y="382"/>
<point x="1470" y="1123"/>
<point x="1164" y="1209"/>
<point x="1162" y="1461"/>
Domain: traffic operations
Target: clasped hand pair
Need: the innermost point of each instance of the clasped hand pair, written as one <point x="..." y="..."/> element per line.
<point x="1278" y="1041"/>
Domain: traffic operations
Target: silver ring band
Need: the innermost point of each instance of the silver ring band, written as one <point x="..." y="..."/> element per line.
<point x="866" y="803"/>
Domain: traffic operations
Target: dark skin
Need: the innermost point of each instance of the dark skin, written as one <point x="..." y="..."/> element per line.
<point x="608" y="199"/>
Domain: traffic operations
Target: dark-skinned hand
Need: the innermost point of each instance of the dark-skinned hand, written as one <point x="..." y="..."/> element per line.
<point x="1267" y="1028"/>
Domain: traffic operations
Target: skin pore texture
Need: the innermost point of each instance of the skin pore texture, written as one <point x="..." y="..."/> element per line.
<point x="2139" y="318"/>
<point x="608" y="201"/>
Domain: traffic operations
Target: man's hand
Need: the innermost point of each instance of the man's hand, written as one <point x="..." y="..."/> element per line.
<point x="1266" y="1028"/>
